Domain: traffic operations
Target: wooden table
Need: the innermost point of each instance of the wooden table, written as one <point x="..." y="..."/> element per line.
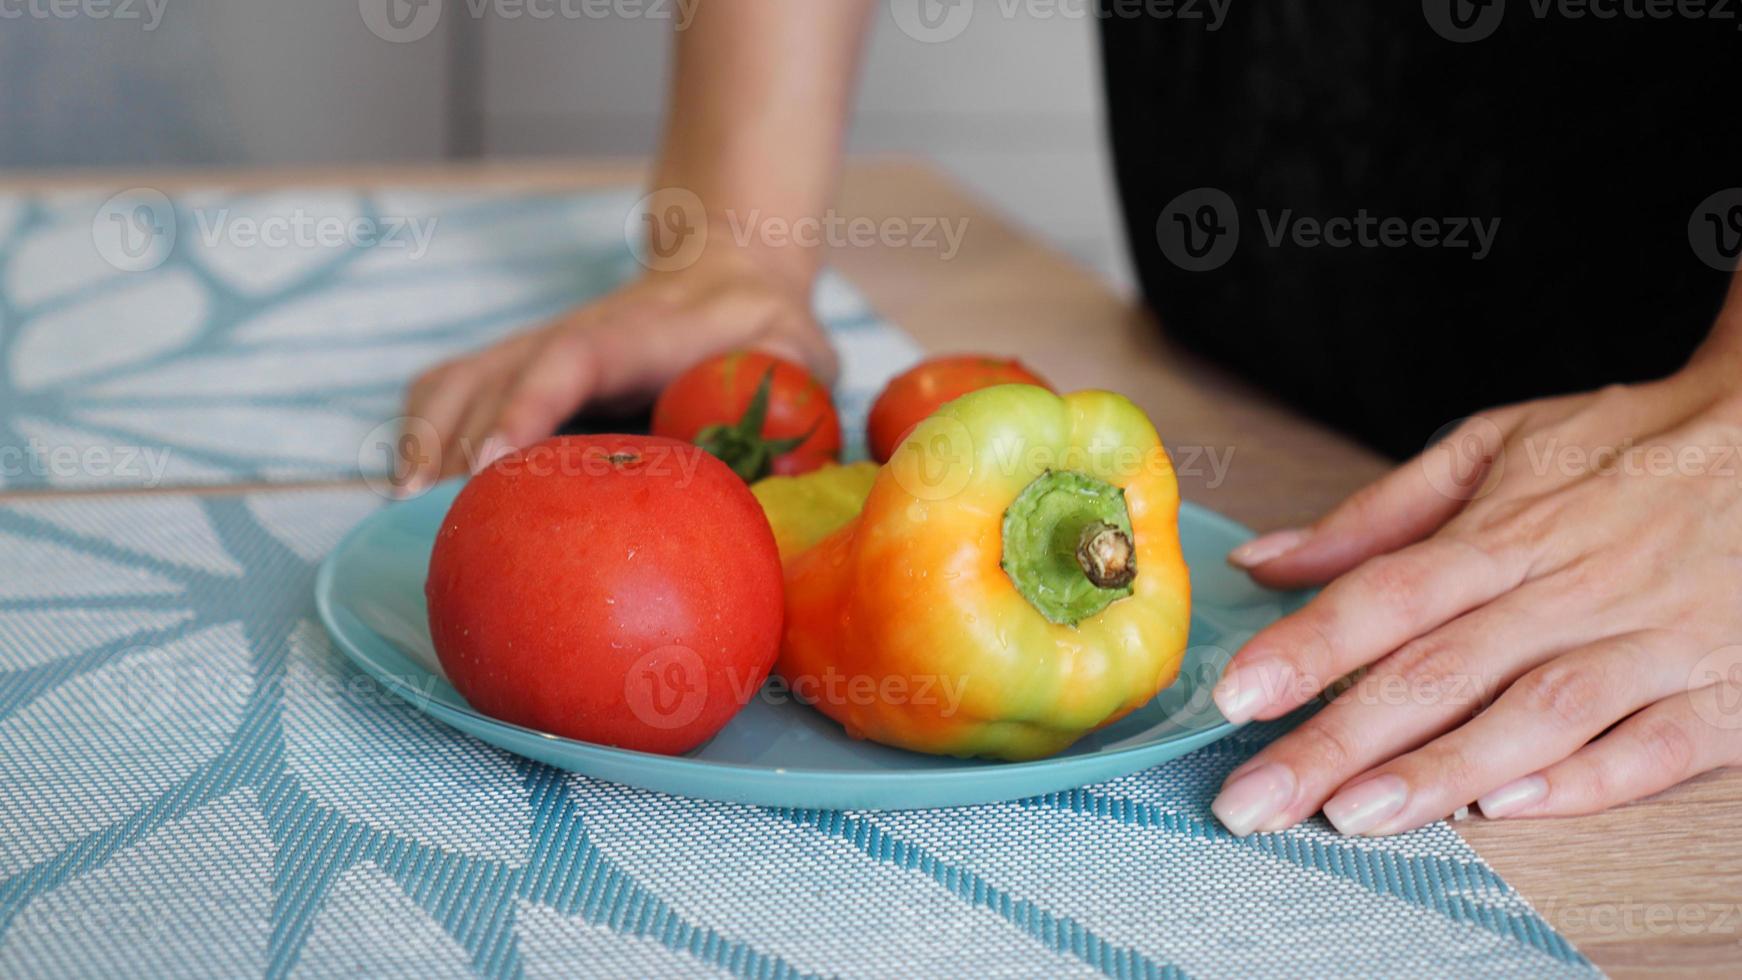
<point x="1651" y="889"/>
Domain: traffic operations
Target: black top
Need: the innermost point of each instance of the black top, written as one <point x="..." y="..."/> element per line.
<point x="1551" y="182"/>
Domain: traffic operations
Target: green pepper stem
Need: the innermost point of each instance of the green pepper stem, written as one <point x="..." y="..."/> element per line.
<point x="1105" y="555"/>
<point x="1068" y="546"/>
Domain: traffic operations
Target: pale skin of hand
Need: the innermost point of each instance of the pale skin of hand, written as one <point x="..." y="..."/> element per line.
<point x="757" y="108"/>
<point x="1544" y="604"/>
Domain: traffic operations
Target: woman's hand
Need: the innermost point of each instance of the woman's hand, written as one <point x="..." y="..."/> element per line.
<point x="623" y="347"/>
<point x="743" y="71"/>
<point x="1546" y="605"/>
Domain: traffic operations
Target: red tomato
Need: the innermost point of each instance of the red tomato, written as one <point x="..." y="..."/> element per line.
<point x="714" y="406"/>
<point x="911" y="397"/>
<point x="623" y="590"/>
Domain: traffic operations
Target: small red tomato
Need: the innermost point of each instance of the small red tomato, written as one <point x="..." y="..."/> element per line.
<point x="759" y="413"/>
<point x="913" y="396"/>
<point x="623" y="590"/>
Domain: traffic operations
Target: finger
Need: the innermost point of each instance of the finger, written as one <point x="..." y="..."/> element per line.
<point x="1371" y="611"/>
<point x="439" y="397"/>
<point x="808" y="345"/>
<point x="551" y="386"/>
<point x="1544" y="717"/>
<point x="1673" y="740"/>
<point x="1421" y="691"/>
<point x="599" y="354"/>
<point x="1402" y="507"/>
<point x="477" y="443"/>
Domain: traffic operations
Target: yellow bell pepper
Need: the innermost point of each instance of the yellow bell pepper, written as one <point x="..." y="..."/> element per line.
<point x="803" y="509"/>
<point x="1013" y="581"/>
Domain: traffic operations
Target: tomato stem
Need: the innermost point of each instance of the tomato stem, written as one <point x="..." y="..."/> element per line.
<point x="742" y="446"/>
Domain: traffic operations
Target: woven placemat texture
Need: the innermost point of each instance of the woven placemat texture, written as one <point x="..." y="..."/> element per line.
<point x="192" y="782"/>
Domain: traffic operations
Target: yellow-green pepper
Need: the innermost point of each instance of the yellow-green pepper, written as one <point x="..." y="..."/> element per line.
<point x="803" y="509"/>
<point x="1013" y="581"/>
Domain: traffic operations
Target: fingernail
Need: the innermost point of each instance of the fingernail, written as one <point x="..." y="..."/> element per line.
<point x="1240" y="694"/>
<point x="1513" y="797"/>
<point x="413" y="486"/>
<point x="1253" y="798"/>
<point x="1363" y="808"/>
<point x="1267" y="548"/>
<point x="494" y="448"/>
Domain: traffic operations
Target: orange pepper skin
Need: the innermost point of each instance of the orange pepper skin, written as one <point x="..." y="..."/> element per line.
<point x="904" y="626"/>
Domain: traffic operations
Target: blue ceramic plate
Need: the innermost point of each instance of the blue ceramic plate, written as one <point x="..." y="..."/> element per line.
<point x="777" y="752"/>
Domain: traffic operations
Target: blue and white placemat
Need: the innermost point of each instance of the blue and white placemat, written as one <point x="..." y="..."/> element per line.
<point x="210" y="338"/>
<point x="193" y="783"/>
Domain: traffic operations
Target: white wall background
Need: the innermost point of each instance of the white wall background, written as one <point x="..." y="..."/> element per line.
<point x="1010" y="105"/>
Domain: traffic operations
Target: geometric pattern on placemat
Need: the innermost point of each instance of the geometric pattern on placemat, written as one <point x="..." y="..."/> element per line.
<point x="192" y="782"/>
<point x="219" y="359"/>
